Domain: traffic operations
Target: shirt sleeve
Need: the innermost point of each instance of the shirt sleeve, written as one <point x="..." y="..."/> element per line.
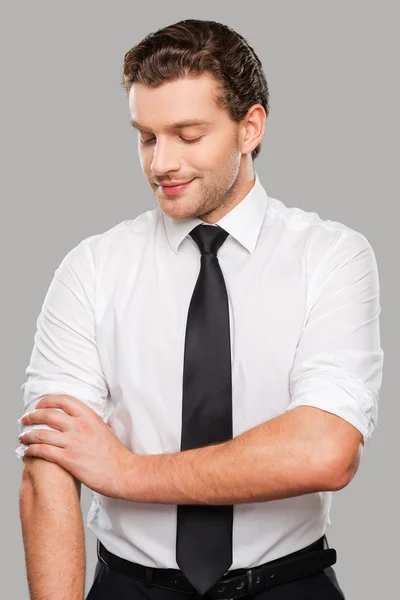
<point x="65" y="358"/>
<point x="338" y="362"/>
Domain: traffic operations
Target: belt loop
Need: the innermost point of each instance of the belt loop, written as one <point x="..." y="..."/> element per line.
<point x="99" y="557"/>
<point x="149" y="576"/>
<point x="250" y="582"/>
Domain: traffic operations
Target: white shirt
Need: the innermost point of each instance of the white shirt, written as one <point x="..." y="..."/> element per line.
<point x="304" y="316"/>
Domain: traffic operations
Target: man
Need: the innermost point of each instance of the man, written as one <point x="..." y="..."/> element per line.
<point x="210" y="369"/>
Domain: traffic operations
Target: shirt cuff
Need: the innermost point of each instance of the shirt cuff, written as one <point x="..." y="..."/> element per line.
<point x="359" y="409"/>
<point x="34" y="391"/>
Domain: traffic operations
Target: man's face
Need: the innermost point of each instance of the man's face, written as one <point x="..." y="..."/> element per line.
<point x="167" y="154"/>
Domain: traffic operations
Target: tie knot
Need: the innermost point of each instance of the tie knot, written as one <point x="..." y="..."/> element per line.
<point x="209" y="239"/>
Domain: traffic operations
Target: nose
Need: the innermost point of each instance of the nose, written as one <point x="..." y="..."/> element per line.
<point x="166" y="158"/>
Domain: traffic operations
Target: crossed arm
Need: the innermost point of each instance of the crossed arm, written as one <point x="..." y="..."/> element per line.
<point x="302" y="451"/>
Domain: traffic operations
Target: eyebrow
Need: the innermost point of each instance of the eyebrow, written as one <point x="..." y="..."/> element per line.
<point x="173" y="126"/>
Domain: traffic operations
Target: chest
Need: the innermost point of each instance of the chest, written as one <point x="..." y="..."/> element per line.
<point x="141" y="322"/>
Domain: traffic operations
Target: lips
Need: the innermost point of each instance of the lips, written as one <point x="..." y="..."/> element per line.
<point x="175" y="184"/>
<point x="175" y="189"/>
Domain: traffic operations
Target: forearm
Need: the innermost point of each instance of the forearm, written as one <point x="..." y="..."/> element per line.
<point x="53" y="537"/>
<point x="277" y="459"/>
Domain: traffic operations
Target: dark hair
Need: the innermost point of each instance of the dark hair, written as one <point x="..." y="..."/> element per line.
<point x="194" y="47"/>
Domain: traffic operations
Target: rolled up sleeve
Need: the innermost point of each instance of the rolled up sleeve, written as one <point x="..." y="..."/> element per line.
<point x="65" y="358"/>
<point x="338" y="362"/>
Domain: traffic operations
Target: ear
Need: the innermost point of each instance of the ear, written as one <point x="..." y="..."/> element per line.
<point x="253" y="127"/>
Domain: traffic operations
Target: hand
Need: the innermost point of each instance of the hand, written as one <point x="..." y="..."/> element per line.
<point x="84" y="444"/>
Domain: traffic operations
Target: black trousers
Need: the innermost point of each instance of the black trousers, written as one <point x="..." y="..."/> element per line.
<point x="109" y="584"/>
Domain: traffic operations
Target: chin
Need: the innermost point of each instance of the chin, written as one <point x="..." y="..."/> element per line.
<point x="175" y="213"/>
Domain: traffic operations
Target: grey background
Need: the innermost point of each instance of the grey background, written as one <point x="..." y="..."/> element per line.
<point x="70" y="170"/>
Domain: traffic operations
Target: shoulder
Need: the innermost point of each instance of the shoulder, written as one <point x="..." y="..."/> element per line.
<point x="317" y="239"/>
<point x="118" y="240"/>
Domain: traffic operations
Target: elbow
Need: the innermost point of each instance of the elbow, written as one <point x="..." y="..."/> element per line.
<point x="339" y="472"/>
<point x="335" y="481"/>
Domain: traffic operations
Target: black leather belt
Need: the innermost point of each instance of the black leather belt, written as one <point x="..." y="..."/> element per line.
<point x="236" y="583"/>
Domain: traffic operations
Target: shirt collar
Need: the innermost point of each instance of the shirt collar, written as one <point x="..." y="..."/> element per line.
<point x="243" y="222"/>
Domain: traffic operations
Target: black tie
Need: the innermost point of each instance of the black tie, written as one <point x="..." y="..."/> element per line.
<point x="204" y="532"/>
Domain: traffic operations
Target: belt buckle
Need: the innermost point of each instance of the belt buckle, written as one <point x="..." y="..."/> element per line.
<point x="220" y="587"/>
<point x="247" y="586"/>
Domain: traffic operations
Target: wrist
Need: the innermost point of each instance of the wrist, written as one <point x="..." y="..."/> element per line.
<point x="128" y="479"/>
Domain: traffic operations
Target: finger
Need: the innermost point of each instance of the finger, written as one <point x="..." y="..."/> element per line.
<point x="50" y="453"/>
<point x="43" y="436"/>
<point x="72" y="406"/>
<point x="50" y="416"/>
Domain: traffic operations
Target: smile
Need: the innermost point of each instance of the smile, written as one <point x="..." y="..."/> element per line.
<point x="175" y="189"/>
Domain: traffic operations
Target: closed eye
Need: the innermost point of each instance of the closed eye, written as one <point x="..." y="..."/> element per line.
<point x="151" y="140"/>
